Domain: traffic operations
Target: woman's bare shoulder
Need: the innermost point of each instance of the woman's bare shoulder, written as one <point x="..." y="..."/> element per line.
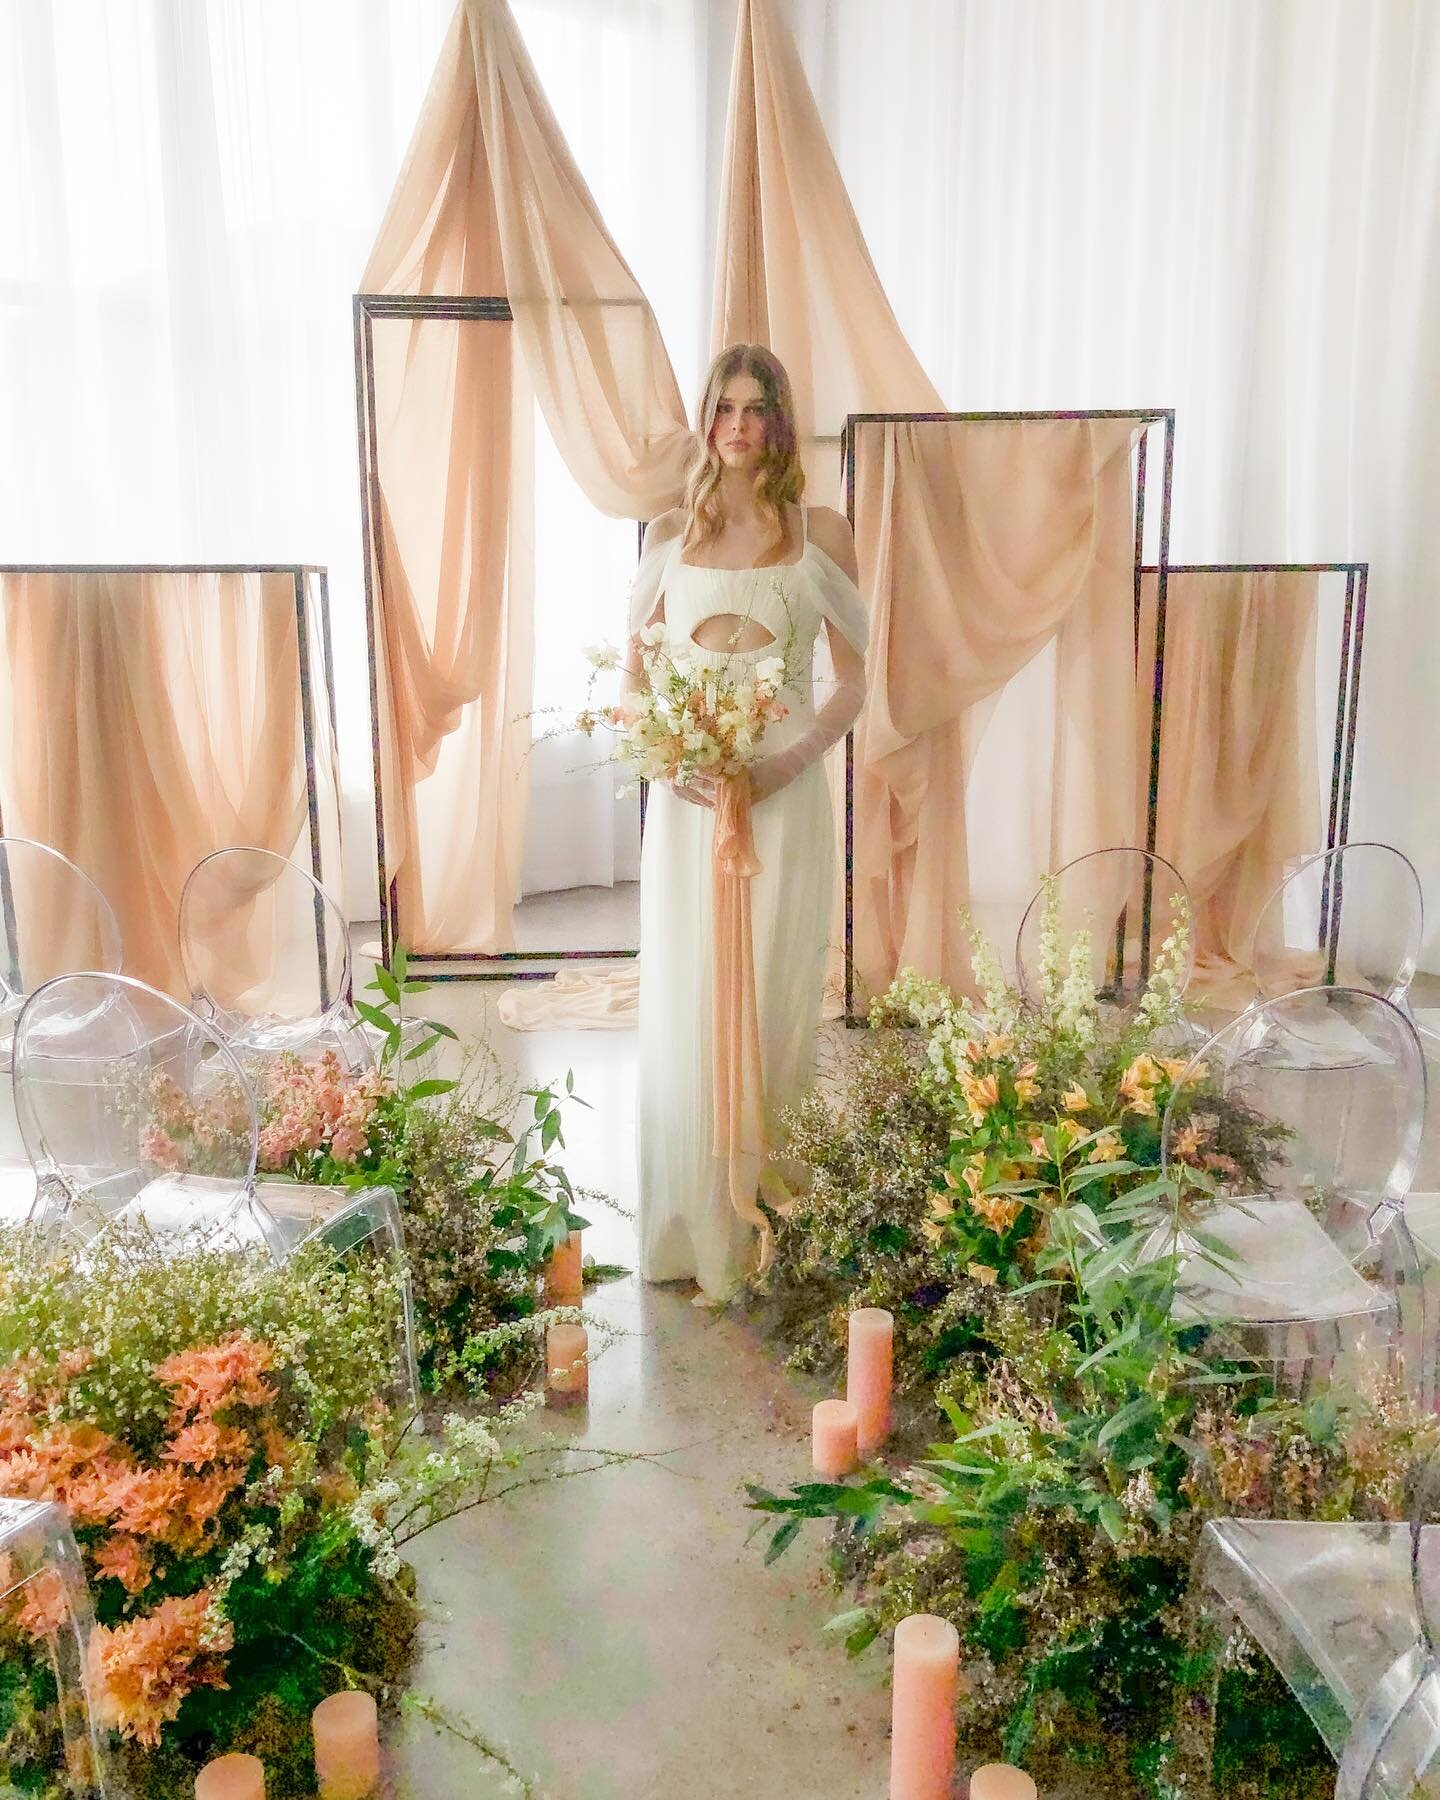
<point x="831" y="531"/>
<point x="665" y="526"/>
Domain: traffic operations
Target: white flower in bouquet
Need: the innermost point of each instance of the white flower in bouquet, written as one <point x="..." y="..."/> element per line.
<point x="692" y="718"/>
<point x="770" y="674"/>
<point x="602" y="656"/>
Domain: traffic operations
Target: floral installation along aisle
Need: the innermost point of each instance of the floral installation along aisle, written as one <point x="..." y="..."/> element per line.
<point x="241" y="1492"/>
<point x="990" y="1175"/>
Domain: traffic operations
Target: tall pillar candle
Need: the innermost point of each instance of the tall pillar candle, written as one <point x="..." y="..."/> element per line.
<point x="231" y="1777"/>
<point x="922" y="1731"/>
<point x="565" y="1274"/>
<point x="347" y="1746"/>
<point x="868" y="1375"/>
<point x="1001" y="1781"/>
<point x="566" y="1368"/>
<point x="834" y="1434"/>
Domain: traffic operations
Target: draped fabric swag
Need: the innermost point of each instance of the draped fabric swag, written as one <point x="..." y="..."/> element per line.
<point x="982" y="544"/>
<point x="490" y="203"/>
<point x="1239" y="783"/>
<point x="148" y="719"/>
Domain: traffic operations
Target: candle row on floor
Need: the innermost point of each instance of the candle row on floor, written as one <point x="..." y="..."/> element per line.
<point x="347" y="1756"/>
<point x="847" y="1432"/>
<point x="926" y="1686"/>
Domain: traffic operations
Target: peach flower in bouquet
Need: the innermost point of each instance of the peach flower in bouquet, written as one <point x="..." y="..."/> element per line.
<point x="689" y="720"/>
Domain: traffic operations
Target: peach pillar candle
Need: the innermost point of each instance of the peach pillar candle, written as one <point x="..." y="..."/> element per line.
<point x="1001" y="1781"/>
<point x="834" y="1429"/>
<point x="867" y="1379"/>
<point x="567" y="1372"/>
<point x="564" y="1274"/>
<point x="347" y="1745"/>
<point x="922" y="1730"/>
<point x="231" y="1777"/>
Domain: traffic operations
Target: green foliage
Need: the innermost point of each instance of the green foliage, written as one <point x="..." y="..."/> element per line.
<point x="994" y="1181"/>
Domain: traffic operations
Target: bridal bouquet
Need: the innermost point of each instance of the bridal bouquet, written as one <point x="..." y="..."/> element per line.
<point x="688" y="721"/>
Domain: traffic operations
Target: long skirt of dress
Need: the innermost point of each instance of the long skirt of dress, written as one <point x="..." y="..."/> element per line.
<point x="688" y="1226"/>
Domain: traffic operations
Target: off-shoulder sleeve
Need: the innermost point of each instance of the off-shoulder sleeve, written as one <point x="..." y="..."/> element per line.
<point x="839" y="600"/>
<point x="661" y="543"/>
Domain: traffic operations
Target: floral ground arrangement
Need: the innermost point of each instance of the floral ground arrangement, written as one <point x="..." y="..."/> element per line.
<point x="990" y="1174"/>
<point x="226" y="1436"/>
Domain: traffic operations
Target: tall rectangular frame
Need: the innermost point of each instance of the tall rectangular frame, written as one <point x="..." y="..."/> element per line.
<point x="483" y="965"/>
<point x="1148" y="417"/>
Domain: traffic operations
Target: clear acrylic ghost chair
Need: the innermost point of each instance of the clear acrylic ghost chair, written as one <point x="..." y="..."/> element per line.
<point x="1128" y="902"/>
<point x="1320" y="1264"/>
<point x="1347" y="1612"/>
<point x="266" y="953"/>
<point x="53" y="919"/>
<point x="134" y="1109"/>
<point x="44" y="1597"/>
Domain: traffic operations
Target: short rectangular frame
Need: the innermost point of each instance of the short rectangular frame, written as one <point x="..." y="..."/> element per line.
<point x="1347" y="701"/>
<point x="1148" y="417"/>
<point x="484" y="965"/>
<point x="303" y="576"/>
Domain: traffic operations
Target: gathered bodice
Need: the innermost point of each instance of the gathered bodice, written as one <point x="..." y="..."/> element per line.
<point x="776" y="598"/>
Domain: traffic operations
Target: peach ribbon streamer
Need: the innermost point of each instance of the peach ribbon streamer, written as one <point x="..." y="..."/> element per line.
<point x="739" y="1134"/>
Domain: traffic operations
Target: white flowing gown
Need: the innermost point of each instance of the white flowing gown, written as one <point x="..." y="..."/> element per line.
<point x="688" y="1227"/>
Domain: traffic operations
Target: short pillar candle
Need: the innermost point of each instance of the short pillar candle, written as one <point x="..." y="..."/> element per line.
<point x="566" y="1368"/>
<point x="565" y="1274"/>
<point x="834" y="1435"/>
<point x="231" y="1777"/>
<point x="868" y="1375"/>
<point x="347" y="1745"/>
<point x="1001" y="1781"/>
<point x="922" y="1728"/>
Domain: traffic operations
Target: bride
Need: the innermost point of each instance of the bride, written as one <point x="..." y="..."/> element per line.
<point x="742" y="572"/>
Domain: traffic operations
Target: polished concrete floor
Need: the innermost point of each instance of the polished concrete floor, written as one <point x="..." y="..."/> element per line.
<point x="616" y="1634"/>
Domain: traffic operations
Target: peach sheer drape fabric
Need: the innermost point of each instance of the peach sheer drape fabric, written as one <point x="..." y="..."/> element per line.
<point x="791" y="267"/>
<point x="490" y="202"/>
<point x="981" y="544"/>
<point x="148" y="719"/>
<point x="1239" y="794"/>
<point x="740" y="1127"/>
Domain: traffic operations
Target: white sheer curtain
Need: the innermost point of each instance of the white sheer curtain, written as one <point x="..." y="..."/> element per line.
<point x="1229" y="207"/>
<point x="1232" y="208"/>
<point x="188" y="192"/>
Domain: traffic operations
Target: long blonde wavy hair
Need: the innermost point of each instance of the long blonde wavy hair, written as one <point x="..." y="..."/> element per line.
<point x="778" y="476"/>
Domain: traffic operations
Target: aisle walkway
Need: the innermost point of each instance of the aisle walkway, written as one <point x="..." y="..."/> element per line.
<point x="616" y="1633"/>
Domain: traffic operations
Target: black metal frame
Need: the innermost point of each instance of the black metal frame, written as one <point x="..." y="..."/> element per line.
<point x="1347" y="705"/>
<point x="1147" y="417"/>
<point x="301" y="573"/>
<point x="488" y="965"/>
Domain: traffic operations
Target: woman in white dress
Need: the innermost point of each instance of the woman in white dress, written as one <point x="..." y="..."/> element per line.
<point x="743" y="571"/>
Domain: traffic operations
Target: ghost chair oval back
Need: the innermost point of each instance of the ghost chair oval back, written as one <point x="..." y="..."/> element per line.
<point x="53" y="919"/>
<point x="133" y="1108"/>
<point x="1304" y="1256"/>
<point x="1346" y="1612"/>
<point x="1351" y="917"/>
<point x="266" y="954"/>
<point x="44" y="1594"/>
<point x="1116" y="909"/>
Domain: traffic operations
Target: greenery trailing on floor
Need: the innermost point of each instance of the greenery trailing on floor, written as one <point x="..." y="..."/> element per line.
<point x="991" y="1175"/>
